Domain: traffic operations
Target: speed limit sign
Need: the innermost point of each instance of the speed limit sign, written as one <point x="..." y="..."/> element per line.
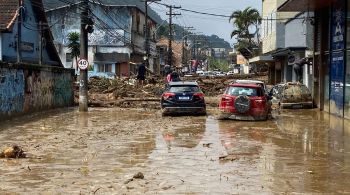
<point x="83" y="64"/>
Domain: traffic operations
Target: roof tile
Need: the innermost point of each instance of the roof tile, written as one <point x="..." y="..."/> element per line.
<point x="8" y="10"/>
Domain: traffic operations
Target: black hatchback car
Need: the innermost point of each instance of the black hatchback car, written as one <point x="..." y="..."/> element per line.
<point x="183" y="97"/>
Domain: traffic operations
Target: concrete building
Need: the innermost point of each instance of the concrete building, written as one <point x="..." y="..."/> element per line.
<point x="287" y="41"/>
<point x="32" y="77"/>
<point x="331" y="65"/>
<point x="118" y="37"/>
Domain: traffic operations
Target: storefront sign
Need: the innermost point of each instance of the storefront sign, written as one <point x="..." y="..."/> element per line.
<point x="338" y="26"/>
<point x="241" y="59"/>
<point x="337" y="58"/>
<point x="337" y="82"/>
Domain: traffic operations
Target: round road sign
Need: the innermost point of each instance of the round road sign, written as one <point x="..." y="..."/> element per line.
<point x="83" y="64"/>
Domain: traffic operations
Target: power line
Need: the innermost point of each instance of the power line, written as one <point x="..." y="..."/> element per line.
<point x="227" y="16"/>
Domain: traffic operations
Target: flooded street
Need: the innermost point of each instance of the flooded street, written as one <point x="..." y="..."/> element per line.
<point x="100" y="152"/>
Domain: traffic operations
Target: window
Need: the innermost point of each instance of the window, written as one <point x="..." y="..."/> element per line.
<point x="236" y="91"/>
<point x="184" y="88"/>
<point x="104" y="68"/>
<point x="69" y="57"/>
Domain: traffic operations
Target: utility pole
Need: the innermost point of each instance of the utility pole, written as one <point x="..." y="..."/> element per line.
<point x="83" y="80"/>
<point x="184" y="41"/>
<point x="40" y="42"/>
<point x="19" y="31"/>
<point x="171" y="14"/>
<point x="147" y="42"/>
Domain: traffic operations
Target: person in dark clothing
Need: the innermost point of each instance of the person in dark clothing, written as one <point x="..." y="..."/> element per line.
<point x="175" y="76"/>
<point x="141" y="74"/>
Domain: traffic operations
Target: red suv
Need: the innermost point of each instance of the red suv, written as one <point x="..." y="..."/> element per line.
<point x="243" y="101"/>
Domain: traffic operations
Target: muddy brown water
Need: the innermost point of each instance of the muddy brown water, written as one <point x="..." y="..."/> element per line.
<point x="300" y="151"/>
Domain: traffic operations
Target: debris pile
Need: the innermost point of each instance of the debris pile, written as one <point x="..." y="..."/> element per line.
<point x="125" y="87"/>
<point x="13" y="152"/>
<point x="126" y="93"/>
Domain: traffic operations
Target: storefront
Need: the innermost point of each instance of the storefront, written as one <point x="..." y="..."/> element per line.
<point x="332" y="52"/>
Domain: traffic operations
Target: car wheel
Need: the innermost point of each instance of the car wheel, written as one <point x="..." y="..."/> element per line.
<point x="242" y="104"/>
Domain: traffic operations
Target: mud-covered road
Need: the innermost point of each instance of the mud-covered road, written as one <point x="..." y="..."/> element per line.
<point x="100" y="152"/>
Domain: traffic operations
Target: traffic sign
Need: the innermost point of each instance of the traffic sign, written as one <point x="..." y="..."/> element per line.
<point x="83" y="64"/>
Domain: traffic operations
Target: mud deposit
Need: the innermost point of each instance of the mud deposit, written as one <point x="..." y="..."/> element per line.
<point x="136" y="151"/>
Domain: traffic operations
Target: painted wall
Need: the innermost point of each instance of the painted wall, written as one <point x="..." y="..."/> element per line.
<point x="124" y="69"/>
<point x="115" y="39"/>
<point x="116" y="19"/>
<point x="273" y="27"/>
<point x="28" y="88"/>
<point x="299" y="33"/>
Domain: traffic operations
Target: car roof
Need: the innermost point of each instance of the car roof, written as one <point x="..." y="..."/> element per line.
<point x="249" y="81"/>
<point x="249" y="85"/>
<point x="291" y="83"/>
<point x="183" y="83"/>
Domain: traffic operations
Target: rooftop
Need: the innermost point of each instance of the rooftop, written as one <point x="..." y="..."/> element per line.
<point x="58" y="4"/>
<point x="8" y="9"/>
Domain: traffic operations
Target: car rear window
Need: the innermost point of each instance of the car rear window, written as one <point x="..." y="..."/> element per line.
<point x="236" y="91"/>
<point x="184" y="88"/>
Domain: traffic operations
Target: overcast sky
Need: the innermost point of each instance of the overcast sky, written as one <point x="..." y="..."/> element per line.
<point x="207" y="25"/>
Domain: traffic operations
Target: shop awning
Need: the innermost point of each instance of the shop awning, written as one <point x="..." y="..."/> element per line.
<point x="261" y="59"/>
<point x="286" y="51"/>
<point x="303" y="5"/>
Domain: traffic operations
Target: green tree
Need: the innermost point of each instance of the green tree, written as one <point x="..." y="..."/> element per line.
<point x="74" y="46"/>
<point x="243" y="22"/>
<point x="222" y="65"/>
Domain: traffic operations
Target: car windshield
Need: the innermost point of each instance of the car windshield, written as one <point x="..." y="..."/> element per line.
<point x="184" y="88"/>
<point x="236" y="91"/>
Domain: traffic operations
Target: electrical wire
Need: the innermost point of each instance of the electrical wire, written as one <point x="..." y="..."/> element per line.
<point x="225" y="16"/>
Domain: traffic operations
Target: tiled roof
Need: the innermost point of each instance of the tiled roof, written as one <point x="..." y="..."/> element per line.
<point x="8" y="10"/>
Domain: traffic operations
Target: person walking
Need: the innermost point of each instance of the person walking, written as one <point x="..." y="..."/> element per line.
<point x="141" y="74"/>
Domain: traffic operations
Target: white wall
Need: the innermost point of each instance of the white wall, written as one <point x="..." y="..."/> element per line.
<point x="299" y="33"/>
<point x="273" y="27"/>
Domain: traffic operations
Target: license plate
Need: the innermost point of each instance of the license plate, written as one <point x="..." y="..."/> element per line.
<point x="184" y="98"/>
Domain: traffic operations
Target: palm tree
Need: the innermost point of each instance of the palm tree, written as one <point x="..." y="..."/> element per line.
<point x="243" y="20"/>
<point x="74" y="46"/>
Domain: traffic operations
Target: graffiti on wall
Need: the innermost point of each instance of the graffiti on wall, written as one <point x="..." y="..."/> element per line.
<point x="45" y="90"/>
<point x="37" y="90"/>
<point x="11" y="91"/>
<point x="23" y="91"/>
<point x="63" y="89"/>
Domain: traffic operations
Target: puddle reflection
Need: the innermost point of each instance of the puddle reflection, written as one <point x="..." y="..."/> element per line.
<point x="301" y="151"/>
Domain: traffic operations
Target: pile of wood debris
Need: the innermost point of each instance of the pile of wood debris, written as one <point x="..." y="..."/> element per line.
<point x="126" y="92"/>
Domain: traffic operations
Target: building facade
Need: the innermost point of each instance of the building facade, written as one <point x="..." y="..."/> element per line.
<point x="32" y="77"/>
<point x="332" y="50"/>
<point x="286" y="43"/>
<point x="118" y="40"/>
